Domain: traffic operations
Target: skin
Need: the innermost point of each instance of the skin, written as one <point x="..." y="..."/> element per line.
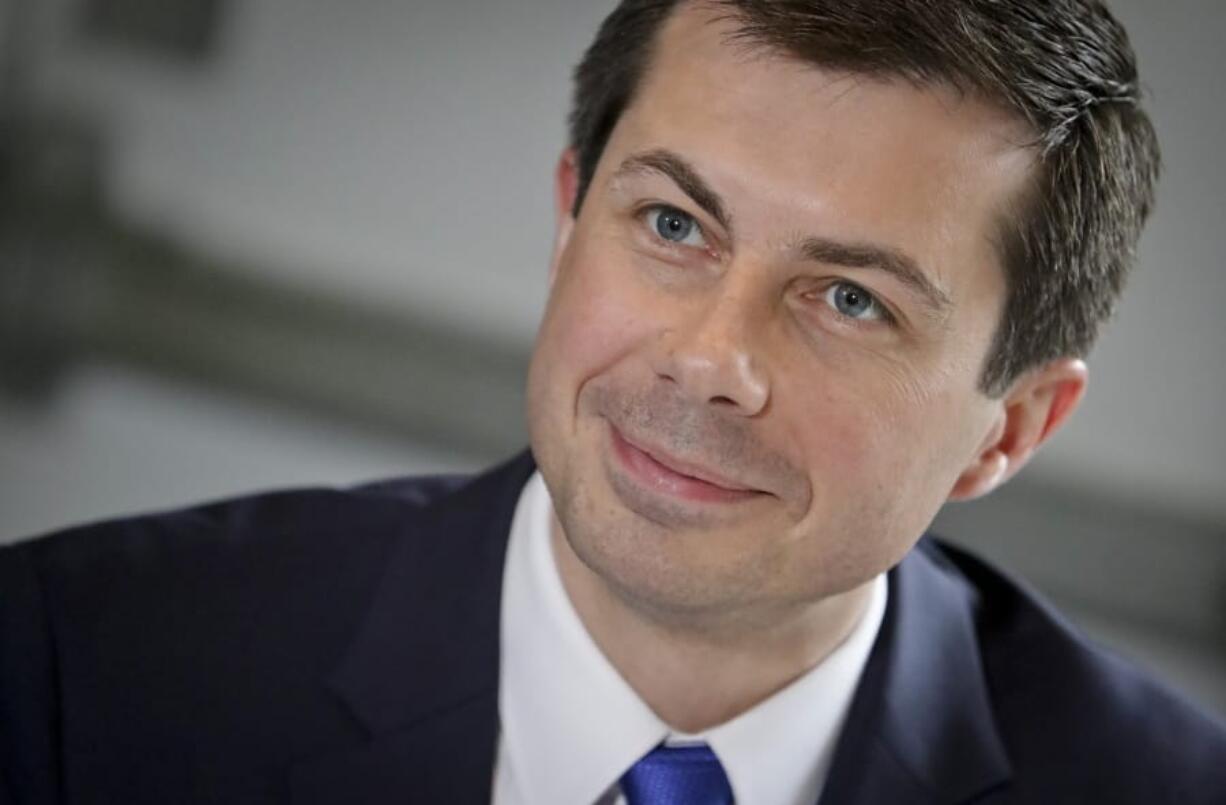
<point x="804" y="450"/>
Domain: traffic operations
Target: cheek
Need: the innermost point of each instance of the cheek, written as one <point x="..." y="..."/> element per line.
<point x="878" y="478"/>
<point x="882" y="447"/>
<point x="594" y="318"/>
<point x="852" y="415"/>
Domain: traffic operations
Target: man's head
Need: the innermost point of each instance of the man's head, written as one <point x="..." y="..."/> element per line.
<point x="1065" y="67"/>
<point x="821" y="266"/>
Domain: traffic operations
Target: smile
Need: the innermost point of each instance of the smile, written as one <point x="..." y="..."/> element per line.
<point x="669" y="476"/>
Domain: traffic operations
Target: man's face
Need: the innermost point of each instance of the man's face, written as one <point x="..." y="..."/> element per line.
<point x="756" y="378"/>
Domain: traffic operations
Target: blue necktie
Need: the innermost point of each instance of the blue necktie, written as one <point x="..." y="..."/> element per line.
<point x="677" y="775"/>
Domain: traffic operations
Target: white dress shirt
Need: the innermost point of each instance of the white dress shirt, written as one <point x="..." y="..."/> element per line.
<point x="571" y="726"/>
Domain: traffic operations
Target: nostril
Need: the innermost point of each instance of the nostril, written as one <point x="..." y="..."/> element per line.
<point x="721" y="400"/>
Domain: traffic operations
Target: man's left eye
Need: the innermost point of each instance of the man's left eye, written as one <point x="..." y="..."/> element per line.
<point x="675" y="226"/>
<point x="854" y="302"/>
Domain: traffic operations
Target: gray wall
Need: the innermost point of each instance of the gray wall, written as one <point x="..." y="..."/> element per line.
<point x="1152" y="428"/>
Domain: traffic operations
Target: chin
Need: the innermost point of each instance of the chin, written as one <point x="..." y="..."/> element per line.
<point x="655" y="568"/>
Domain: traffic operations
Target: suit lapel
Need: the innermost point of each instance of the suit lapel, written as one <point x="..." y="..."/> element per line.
<point x="445" y="757"/>
<point x="921" y="728"/>
<point x="422" y="673"/>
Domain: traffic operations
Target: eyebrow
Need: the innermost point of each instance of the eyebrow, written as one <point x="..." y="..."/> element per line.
<point x="683" y="175"/>
<point x="893" y="262"/>
<point x="897" y="264"/>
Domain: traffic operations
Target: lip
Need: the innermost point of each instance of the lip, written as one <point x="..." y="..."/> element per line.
<point x="671" y="476"/>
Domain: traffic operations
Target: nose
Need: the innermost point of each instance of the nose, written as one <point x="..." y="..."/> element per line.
<point x="712" y="361"/>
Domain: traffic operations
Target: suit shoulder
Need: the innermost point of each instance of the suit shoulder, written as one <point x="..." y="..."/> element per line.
<point x="292" y="551"/>
<point x="207" y="636"/>
<point x="319" y="513"/>
<point x="1069" y="706"/>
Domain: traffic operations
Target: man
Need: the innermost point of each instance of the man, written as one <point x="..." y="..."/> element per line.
<point x="819" y="267"/>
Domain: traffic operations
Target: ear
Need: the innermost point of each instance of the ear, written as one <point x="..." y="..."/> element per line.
<point x="1034" y="408"/>
<point x="565" y="189"/>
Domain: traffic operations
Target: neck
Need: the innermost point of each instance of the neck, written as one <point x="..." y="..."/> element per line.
<point x="740" y="661"/>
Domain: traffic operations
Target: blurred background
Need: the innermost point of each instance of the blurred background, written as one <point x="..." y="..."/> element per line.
<point x="284" y="242"/>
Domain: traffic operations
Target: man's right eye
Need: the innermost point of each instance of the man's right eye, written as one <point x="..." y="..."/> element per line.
<point x="675" y="226"/>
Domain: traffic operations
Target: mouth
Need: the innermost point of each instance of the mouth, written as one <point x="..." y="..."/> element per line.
<point x="667" y="475"/>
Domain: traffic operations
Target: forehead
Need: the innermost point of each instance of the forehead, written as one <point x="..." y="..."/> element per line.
<point x="796" y="146"/>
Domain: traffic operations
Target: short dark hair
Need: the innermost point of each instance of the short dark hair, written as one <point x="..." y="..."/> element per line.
<point x="1064" y="66"/>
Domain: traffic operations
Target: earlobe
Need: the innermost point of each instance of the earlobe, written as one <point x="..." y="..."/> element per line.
<point x="987" y="473"/>
<point x="1038" y="404"/>
<point x="988" y="469"/>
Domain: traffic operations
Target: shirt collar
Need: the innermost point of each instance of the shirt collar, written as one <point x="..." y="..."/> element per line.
<point x="571" y="725"/>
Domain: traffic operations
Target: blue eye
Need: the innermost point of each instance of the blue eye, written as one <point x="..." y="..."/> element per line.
<point x="854" y="302"/>
<point x="675" y="226"/>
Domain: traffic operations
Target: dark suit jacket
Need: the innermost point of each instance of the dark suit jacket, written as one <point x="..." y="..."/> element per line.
<point x="323" y="646"/>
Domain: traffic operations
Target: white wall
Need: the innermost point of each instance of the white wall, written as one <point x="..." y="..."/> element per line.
<point x="119" y="442"/>
<point x="398" y="152"/>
